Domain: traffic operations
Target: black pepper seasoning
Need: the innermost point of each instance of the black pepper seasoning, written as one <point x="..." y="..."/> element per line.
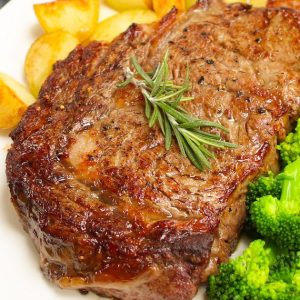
<point x="261" y="110"/>
<point x="201" y="80"/>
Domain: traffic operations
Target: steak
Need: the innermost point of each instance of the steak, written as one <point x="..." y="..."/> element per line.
<point x="109" y="208"/>
<point x="295" y="4"/>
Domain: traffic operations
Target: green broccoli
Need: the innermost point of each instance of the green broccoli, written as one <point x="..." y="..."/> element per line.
<point x="284" y="273"/>
<point x="264" y="185"/>
<point x="242" y="277"/>
<point x="259" y="273"/>
<point x="290" y="147"/>
<point x="279" y="220"/>
<point x="286" y="267"/>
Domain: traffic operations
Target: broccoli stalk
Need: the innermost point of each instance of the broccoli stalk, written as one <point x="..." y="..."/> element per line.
<point x="279" y="220"/>
<point x="259" y="273"/>
<point x="290" y="147"/>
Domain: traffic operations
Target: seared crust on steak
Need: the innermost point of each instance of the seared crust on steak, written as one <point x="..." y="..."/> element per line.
<point x="295" y="4"/>
<point x="110" y="210"/>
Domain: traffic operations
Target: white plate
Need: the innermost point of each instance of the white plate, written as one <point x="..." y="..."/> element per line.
<point x="20" y="276"/>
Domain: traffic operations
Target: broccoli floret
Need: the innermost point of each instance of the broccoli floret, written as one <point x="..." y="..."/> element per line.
<point x="285" y="271"/>
<point x="258" y="274"/>
<point x="279" y="220"/>
<point x="264" y="185"/>
<point x="290" y="147"/>
<point x="242" y="277"/>
<point x="286" y="266"/>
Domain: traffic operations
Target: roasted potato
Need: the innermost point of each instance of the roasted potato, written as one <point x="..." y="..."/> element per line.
<point x="162" y="7"/>
<point x="122" y="5"/>
<point x="14" y="98"/>
<point x="258" y="3"/>
<point x="108" y="29"/>
<point x="189" y="3"/>
<point x="78" y="17"/>
<point x="44" y="52"/>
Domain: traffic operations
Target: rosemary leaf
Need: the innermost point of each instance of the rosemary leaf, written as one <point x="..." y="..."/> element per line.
<point x="141" y="72"/>
<point x="156" y="72"/>
<point x="147" y="108"/>
<point x="154" y="116"/>
<point x="201" y="123"/>
<point x="198" y="153"/>
<point x="186" y="99"/>
<point x="173" y="112"/>
<point x="208" y="135"/>
<point x="197" y="163"/>
<point x="157" y="82"/>
<point x="168" y="134"/>
<point x="205" y="151"/>
<point x="161" y="122"/>
<point x="205" y="140"/>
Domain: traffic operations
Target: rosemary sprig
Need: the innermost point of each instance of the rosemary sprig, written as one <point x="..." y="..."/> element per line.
<point x="162" y="99"/>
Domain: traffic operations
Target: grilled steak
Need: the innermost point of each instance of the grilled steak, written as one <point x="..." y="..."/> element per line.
<point x="295" y="4"/>
<point x="109" y="209"/>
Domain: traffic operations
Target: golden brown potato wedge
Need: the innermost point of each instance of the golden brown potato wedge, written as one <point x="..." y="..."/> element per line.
<point x="44" y="52"/>
<point x="122" y="5"/>
<point x="162" y="7"/>
<point x="258" y="3"/>
<point x="189" y="3"/>
<point x="14" y="99"/>
<point x="108" y="29"/>
<point x="19" y="89"/>
<point x="78" y="17"/>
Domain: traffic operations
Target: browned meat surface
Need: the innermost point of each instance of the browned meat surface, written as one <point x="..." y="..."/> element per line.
<point x="295" y="4"/>
<point x="109" y="209"/>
